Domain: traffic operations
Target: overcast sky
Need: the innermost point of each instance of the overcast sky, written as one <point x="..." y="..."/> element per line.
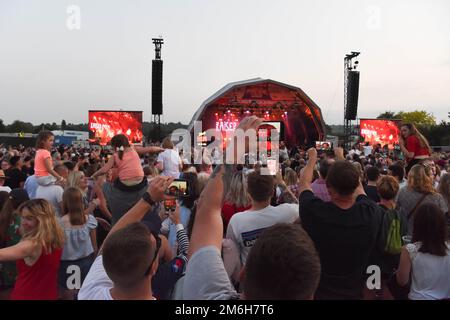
<point x="50" y="70"/>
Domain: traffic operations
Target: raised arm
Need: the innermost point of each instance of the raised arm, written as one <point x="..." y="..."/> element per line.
<point x="101" y="197"/>
<point x="282" y="185"/>
<point x="19" y="251"/>
<point x="182" y="238"/>
<point x="144" y="150"/>
<point x="135" y="214"/>
<point x="208" y="226"/>
<point x="307" y="173"/>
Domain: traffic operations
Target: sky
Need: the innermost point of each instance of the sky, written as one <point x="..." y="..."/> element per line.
<point x="60" y="58"/>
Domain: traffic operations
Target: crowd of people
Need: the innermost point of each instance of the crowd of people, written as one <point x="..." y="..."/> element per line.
<point x="99" y="224"/>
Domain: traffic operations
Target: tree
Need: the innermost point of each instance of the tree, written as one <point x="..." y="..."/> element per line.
<point x="387" y="115"/>
<point x="63" y="125"/>
<point x="419" y="118"/>
<point x="20" y="126"/>
<point x="2" y="126"/>
<point x="437" y="135"/>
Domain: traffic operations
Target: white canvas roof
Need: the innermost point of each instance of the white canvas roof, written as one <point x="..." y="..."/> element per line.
<point x="231" y="85"/>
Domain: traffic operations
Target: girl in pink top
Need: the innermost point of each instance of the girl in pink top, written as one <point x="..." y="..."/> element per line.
<point x="43" y="164"/>
<point x="127" y="161"/>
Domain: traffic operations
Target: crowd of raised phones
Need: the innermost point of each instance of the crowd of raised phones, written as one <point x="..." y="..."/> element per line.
<point x="99" y="224"/>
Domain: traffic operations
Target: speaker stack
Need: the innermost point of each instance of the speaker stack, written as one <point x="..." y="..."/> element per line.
<point x="352" y="95"/>
<point x="157" y="73"/>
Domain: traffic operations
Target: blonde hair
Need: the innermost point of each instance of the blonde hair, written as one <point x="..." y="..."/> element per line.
<point x="74" y="178"/>
<point x="238" y="194"/>
<point x="167" y="143"/>
<point x="151" y="171"/>
<point x="420" y="180"/>
<point x="290" y="177"/>
<point x="73" y="206"/>
<point x="48" y="232"/>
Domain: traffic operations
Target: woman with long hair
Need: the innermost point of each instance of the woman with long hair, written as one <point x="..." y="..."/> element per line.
<point x="414" y="145"/>
<point x="420" y="190"/>
<point x="80" y="235"/>
<point x="291" y="179"/>
<point x="77" y="179"/>
<point x="38" y="253"/>
<point x="10" y="234"/>
<point x="237" y="199"/>
<point x="426" y="260"/>
<point x="444" y="188"/>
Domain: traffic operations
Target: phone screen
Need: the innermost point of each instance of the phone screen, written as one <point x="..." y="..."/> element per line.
<point x="170" y="204"/>
<point x="178" y="188"/>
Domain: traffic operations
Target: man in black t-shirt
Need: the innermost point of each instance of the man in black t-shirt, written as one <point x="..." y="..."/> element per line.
<point x="344" y="230"/>
<point x="372" y="175"/>
<point x="15" y="177"/>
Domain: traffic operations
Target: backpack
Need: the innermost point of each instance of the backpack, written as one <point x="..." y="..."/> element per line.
<point x="394" y="237"/>
<point x="392" y="231"/>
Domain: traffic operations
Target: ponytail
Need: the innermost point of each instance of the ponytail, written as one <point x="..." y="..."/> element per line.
<point x="119" y="142"/>
<point x="120" y="152"/>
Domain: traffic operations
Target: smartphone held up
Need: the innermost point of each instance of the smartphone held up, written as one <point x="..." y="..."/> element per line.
<point x="179" y="188"/>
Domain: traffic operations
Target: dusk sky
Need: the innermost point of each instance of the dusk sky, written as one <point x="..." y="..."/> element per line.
<point x="50" y="70"/>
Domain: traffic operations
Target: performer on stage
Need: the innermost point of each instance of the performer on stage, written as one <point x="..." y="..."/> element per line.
<point x="414" y="145"/>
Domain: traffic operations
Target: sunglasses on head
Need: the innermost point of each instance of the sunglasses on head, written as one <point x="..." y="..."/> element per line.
<point x="158" y="246"/>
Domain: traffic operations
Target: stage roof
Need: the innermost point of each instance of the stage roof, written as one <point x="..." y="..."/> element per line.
<point x="255" y="81"/>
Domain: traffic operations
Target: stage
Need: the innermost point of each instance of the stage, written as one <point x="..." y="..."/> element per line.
<point x="282" y="106"/>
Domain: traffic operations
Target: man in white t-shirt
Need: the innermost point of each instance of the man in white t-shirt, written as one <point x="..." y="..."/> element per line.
<point x="2" y="181"/>
<point x="245" y="227"/>
<point x="169" y="161"/>
<point x="52" y="193"/>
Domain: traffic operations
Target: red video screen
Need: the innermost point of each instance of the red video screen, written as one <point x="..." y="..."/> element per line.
<point x="377" y="131"/>
<point x="103" y="125"/>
